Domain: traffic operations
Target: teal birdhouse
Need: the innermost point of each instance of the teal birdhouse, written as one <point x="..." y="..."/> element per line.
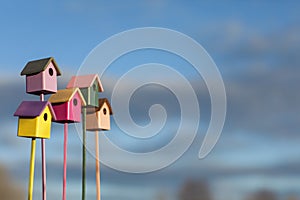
<point x="89" y="86"/>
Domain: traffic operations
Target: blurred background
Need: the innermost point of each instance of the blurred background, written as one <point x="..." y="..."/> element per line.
<point x="256" y="46"/>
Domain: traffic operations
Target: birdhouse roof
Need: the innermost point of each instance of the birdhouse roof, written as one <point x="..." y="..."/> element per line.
<point x="66" y="95"/>
<point x="101" y="103"/>
<point x="37" y="66"/>
<point x="85" y="81"/>
<point x="33" y="109"/>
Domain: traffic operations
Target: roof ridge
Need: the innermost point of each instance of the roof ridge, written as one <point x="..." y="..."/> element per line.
<point x="33" y="108"/>
<point x="36" y="66"/>
<point x="65" y="95"/>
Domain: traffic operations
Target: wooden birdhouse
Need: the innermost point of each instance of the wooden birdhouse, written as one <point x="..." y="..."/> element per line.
<point x="99" y="118"/>
<point x="41" y="76"/>
<point x="35" y="119"/>
<point x="89" y="86"/>
<point x="67" y="104"/>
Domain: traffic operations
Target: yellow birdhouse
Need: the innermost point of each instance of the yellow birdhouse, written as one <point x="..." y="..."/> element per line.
<point x="35" y="119"/>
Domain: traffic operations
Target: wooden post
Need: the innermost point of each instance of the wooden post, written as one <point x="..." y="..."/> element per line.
<point x="31" y="169"/>
<point x="97" y="166"/>
<point x="43" y="149"/>
<point x="65" y="161"/>
<point x="83" y="150"/>
<point x="41" y="78"/>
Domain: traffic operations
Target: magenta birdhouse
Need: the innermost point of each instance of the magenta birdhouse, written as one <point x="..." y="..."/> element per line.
<point x="41" y="76"/>
<point x="67" y="105"/>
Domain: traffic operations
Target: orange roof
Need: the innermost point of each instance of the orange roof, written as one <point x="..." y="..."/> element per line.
<point x="66" y="95"/>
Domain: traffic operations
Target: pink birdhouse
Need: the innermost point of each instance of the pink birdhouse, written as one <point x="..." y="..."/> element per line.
<point x="67" y="105"/>
<point x="41" y="76"/>
<point x="99" y="118"/>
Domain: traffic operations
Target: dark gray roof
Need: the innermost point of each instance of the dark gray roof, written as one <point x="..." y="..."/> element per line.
<point x="37" y="66"/>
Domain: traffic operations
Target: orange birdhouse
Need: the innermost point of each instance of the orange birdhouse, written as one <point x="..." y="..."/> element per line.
<point x="99" y="118"/>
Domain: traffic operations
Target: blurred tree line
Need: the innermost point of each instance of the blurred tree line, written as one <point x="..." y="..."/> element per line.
<point x="200" y="190"/>
<point x="9" y="190"/>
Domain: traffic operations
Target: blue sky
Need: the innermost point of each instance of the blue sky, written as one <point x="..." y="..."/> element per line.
<point x="255" y="44"/>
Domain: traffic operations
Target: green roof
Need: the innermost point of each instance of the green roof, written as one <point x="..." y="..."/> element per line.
<point x="37" y="66"/>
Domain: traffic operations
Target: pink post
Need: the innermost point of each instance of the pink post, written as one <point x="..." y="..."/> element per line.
<point x="43" y="162"/>
<point x="65" y="161"/>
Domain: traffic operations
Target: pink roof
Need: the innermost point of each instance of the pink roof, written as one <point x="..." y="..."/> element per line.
<point x="85" y="81"/>
<point x="33" y="109"/>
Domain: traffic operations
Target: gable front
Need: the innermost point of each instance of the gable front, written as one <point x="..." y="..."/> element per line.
<point x="44" y="123"/>
<point x="104" y="114"/>
<point x="93" y="95"/>
<point x="74" y="106"/>
<point x="50" y="78"/>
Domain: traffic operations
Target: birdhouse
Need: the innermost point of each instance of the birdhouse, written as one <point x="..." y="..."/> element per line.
<point x="99" y="118"/>
<point x="41" y="76"/>
<point x="67" y="104"/>
<point x="89" y="86"/>
<point x="35" y="119"/>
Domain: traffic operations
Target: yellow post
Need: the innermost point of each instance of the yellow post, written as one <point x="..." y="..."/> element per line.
<point x="31" y="170"/>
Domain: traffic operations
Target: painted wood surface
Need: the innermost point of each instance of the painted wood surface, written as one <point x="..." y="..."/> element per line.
<point x="64" y="195"/>
<point x="37" y="66"/>
<point x="31" y="169"/>
<point x="83" y="153"/>
<point x="97" y="167"/>
<point x="89" y="86"/>
<point x="43" y="152"/>
<point x="85" y="81"/>
<point x="100" y="118"/>
<point x="67" y="105"/>
<point x="41" y="76"/>
<point x="34" y="119"/>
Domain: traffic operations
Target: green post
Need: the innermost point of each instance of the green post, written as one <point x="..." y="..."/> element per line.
<point x="83" y="150"/>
